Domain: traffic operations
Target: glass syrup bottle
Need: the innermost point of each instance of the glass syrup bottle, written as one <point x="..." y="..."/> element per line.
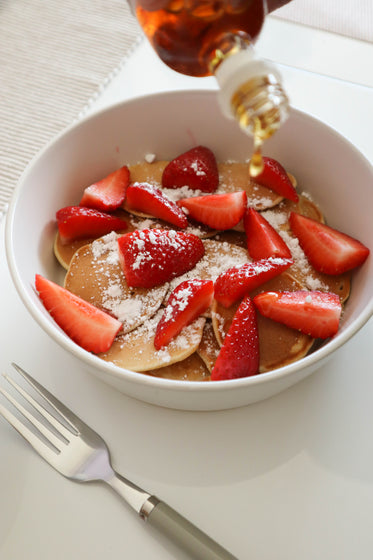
<point x="215" y="37"/>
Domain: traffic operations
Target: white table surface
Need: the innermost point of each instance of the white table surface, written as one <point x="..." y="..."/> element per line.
<point x="286" y="479"/>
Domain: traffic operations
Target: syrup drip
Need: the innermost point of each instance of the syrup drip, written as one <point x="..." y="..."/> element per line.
<point x="256" y="165"/>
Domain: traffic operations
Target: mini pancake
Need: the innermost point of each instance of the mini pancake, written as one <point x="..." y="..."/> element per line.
<point x="236" y="177"/>
<point x="313" y="280"/>
<point x="232" y="237"/>
<point x="293" y="180"/>
<point x="96" y="276"/>
<point x="190" y="369"/>
<point x="145" y="172"/>
<point x="135" y="350"/>
<point x="219" y="256"/>
<point x="209" y="348"/>
<point x="308" y="208"/>
<point x="278" y="216"/>
<point x="278" y="344"/>
<point x="64" y="252"/>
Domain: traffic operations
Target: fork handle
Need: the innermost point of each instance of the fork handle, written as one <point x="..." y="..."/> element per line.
<point x="182" y="532"/>
<point x="168" y="521"/>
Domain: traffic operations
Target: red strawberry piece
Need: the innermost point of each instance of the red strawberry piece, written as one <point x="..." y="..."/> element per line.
<point x="263" y="241"/>
<point x="151" y="257"/>
<point x="77" y="222"/>
<point x="149" y="199"/>
<point x="109" y="193"/>
<point x="196" y="169"/>
<point x="275" y="177"/>
<point x="218" y="211"/>
<point x="314" y="313"/>
<point x="90" y="327"/>
<point x="186" y="303"/>
<point x="328" y="250"/>
<point x="239" y="355"/>
<point x="236" y="282"/>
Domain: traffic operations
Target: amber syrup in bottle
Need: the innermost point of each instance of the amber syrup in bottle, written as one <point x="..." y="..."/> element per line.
<point x="215" y="37"/>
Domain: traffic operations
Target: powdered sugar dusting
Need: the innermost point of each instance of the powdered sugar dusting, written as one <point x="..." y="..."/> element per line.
<point x="146" y="223"/>
<point x="259" y="201"/>
<point x="220" y="323"/>
<point x="179" y="302"/>
<point x="150" y="158"/>
<point x="181" y="192"/>
<point x="104" y="284"/>
<point x="198" y="169"/>
<point x="219" y="255"/>
<point x="301" y="264"/>
<point x="106" y="245"/>
<point x="142" y="340"/>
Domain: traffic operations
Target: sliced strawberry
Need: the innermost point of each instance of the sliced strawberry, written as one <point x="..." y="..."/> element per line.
<point x="149" y="199"/>
<point x="186" y="303"/>
<point x="196" y="169"/>
<point x="151" y="257"/>
<point x="328" y="250"/>
<point x="109" y="193"/>
<point x="239" y="355"/>
<point x="93" y="329"/>
<point x="314" y="313"/>
<point x="218" y="211"/>
<point x="263" y="241"/>
<point x="275" y="177"/>
<point x="77" y="222"/>
<point x="236" y="282"/>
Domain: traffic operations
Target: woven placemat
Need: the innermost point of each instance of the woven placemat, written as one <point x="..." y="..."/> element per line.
<point x="55" y="58"/>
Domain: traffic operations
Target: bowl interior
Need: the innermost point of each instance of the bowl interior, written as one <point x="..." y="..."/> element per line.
<point x="325" y="165"/>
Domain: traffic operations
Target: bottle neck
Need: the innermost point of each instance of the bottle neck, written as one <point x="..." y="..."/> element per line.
<point x="230" y="44"/>
<point x="260" y="105"/>
<point x="251" y="92"/>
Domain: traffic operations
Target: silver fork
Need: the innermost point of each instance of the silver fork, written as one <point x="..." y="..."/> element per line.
<point x="79" y="453"/>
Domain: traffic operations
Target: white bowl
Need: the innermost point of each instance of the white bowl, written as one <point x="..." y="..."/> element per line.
<point x="329" y="167"/>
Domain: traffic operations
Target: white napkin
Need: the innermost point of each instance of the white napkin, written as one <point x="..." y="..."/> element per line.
<point x="352" y="18"/>
<point x="54" y="58"/>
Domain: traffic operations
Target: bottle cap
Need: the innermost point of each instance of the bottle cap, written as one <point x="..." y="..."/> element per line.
<point x="236" y="70"/>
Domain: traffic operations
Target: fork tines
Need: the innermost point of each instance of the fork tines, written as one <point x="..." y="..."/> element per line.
<point x="32" y="437"/>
